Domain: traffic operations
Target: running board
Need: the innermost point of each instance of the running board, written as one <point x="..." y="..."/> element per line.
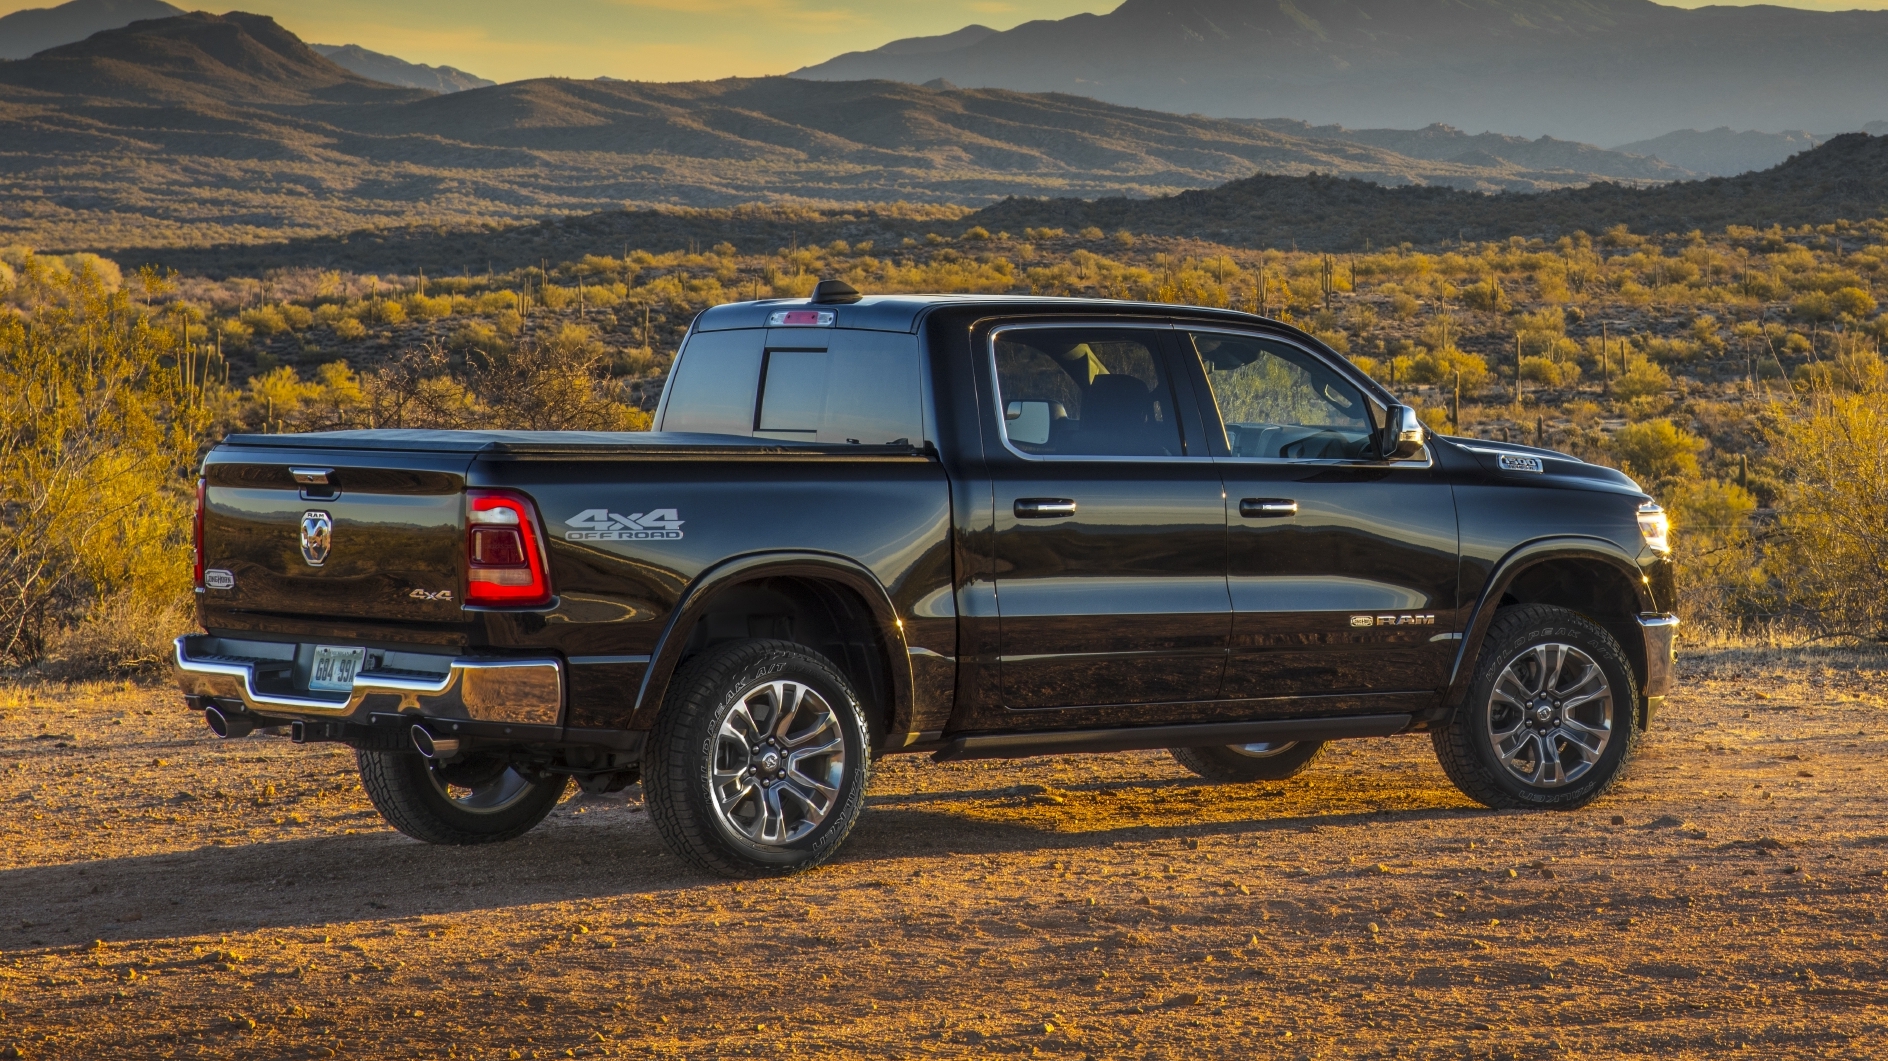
<point x="1216" y="734"/>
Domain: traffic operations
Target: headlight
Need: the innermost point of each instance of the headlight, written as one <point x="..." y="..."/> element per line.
<point x="1655" y="527"/>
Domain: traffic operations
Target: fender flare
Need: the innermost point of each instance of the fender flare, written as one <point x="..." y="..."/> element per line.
<point x="695" y="599"/>
<point x="1510" y="567"/>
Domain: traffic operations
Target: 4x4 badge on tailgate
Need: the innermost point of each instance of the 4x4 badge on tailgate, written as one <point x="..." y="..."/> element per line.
<point x="602" y="525"/>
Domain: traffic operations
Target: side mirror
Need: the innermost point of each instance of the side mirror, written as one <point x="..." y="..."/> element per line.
<point x="1027" y="422"/>
<point x="1402" y="436"/>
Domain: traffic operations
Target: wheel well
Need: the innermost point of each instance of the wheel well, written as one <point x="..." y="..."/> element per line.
<point x="1593" y="588"/>
<point x="825" y="616"/>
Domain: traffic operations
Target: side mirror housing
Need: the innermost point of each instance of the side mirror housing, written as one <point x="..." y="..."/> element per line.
<point x="1402" y="436"/>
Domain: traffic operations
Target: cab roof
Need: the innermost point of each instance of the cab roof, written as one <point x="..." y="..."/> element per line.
<point x="901" y="313"/>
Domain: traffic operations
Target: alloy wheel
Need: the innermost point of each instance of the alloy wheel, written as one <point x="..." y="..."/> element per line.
<point x="1550" y="715"/>
<point x="482" y="785"/>
<point x="779" y="760"/>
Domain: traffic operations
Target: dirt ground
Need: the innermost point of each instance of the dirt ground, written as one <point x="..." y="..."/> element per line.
<point x="166" y="894"/>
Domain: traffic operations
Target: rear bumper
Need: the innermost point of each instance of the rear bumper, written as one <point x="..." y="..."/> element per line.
<point x="527" y="692"/>
<point x="1660" y="633"/>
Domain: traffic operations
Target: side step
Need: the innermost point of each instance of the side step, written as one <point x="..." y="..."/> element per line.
<point x="1214" y="734"/>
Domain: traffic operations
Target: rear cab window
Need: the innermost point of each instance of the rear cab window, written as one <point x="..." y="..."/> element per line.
<point x="835" y="386"/>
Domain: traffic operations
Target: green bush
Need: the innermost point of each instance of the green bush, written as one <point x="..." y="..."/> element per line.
<point x="1656" y="451"/>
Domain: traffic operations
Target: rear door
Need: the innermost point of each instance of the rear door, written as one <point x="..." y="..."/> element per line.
<point x="1110" y="529"/>
<point x="1342" y="568"/>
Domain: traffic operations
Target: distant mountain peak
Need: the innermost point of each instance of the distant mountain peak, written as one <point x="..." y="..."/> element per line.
<point x="36" y="29"/>
<point x="394" y="70"/>
<point x="235" y="58"/>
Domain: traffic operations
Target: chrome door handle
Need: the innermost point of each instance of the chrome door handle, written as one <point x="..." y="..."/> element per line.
<point x="1267" y="507"/>
<point x="1044" y="507"/>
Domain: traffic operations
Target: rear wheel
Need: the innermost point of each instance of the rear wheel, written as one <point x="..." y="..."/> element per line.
<point x="1551" y="715"/>
<point x="1267" y="761"/>
<point x="757" y="766"/>
<point x="475" y="799"/>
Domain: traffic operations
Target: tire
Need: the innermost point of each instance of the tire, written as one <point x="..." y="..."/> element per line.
<point x="739" y="789"/>
<point x="478" y="799"/>
<point x="1249" y="762"/>
<point x="1530" y="733"/>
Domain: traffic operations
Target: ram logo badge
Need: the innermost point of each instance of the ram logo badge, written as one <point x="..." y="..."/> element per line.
<point x="602" y="525"/>
<point x="1392" y="620"/>
<point x="1512" y="463"/>
<point x="317" y="535"/>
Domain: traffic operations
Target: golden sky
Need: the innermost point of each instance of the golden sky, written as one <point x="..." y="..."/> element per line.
<point x="662" y="40"/>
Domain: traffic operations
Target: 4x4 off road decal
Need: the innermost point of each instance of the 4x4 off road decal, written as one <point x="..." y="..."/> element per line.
<point x="602" y="525"/>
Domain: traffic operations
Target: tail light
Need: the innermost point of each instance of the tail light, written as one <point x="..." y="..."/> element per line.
<point x="504" y="551"/>
<point x="196" y="537"/>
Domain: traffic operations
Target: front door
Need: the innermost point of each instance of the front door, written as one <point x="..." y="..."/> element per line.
<point x="1110" y="531"/>
<point x="1341" y="567"/>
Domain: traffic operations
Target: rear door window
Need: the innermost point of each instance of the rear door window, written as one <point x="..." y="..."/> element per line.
<point x="1085" y="392"/>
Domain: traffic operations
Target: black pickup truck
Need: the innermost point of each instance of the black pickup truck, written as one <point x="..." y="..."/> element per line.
<point x="968" y="526"/>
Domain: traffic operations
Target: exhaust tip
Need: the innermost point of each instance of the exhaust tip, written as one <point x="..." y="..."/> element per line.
<point x="434" y="747"/>
<point x="228" y="726"/>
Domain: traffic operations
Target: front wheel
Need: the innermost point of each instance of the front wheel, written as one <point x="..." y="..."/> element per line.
<point x="477" y="799"/>
<point x="1269" y="761"/>
<point x="758" y="763"/>
<point x="1550" y="717"/>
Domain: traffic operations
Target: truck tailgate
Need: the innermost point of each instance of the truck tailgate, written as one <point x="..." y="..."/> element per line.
<point x="335" y="534"/>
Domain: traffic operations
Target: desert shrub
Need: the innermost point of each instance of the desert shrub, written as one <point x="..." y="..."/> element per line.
<point x="1831" y="558"/>
<point x="1487" y="296"/>
<point x="99" y="418"/>
<point x="1642" y="379"/>
<point x="422" y="307"/>
<point x="1715" y="547"/>
<point x="554" y="297"/>
<point x="602" y="296"/>
<point x="265" y="320"/>
<point x="476" y="336"/>
<point x="349" y="329"/>
<point x="1853" y="302"/>
<point x="492" y="303"/>
<point x="234" y="334"/>
<point x="1442" y="367"/>
<point x="299" y="318"/>
<point x="1548" y="372"/>
<point x="1656" y="451"/>
<point x="1813" y="306"/>
<point x="385" y="311"/>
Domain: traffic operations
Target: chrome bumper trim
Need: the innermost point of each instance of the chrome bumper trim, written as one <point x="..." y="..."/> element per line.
<point x="1661" y="651"/>
<point x="526" y="692"/>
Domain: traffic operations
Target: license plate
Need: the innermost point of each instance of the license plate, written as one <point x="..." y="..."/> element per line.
<point x="335" y="668"/>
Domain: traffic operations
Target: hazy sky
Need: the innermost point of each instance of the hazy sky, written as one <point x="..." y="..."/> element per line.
<point x="662" y="40"/>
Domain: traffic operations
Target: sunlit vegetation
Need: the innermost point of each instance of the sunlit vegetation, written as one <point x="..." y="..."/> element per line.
<point x="1738" y="375"/>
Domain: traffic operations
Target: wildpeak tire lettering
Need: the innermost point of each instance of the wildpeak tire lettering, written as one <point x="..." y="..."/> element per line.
<point x="602" y="525"/>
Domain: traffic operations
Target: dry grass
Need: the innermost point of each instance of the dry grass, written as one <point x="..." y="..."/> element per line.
<point x="246" y="902"/>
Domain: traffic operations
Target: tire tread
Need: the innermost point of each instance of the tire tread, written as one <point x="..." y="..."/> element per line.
<point x="400" y="795"/>
<point x="1452" y="740"/>
<point x="688" y="830"/>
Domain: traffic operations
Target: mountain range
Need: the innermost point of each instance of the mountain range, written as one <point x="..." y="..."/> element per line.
<point x="207" y="128"/>
<point x="1602" y="71"/>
